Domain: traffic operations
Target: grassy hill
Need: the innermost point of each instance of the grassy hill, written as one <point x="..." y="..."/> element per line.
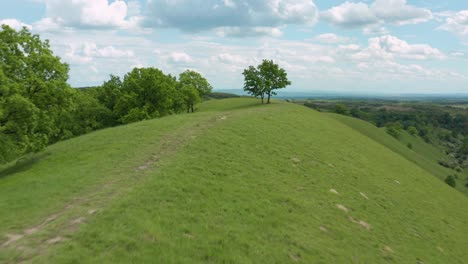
<point x="423" y="154"/>
<point x="237" y="182"/>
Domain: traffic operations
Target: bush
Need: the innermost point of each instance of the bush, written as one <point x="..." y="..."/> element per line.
<point x="394" y="129"/>
<point x="341" y="109"/>
<point x="412" y="130"/>
<point x="450" y="180"/>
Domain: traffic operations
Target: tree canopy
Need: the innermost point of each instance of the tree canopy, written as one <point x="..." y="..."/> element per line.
<point x="33" y="91"/>
<point x="38" y="107"/>
<point x="263" y="81"/>
<point x="197" y="81"/>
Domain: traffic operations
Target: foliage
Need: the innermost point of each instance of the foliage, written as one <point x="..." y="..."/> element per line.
<point x="413" y="131"/>
<point x="34" y="93"/>
<point x="451" y="181"/>
<point x="190" y="96"/>
<point x="341" y="109"/>
<point x="38" y="107"/>
<point x="393" y="129"/>
<point x="265" y="79"/>
<point x="197" y="81"/>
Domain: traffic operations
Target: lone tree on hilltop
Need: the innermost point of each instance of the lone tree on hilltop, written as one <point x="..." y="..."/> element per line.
<point x="265" y="79"/>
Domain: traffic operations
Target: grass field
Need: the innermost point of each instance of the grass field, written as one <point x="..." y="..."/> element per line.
<point x="423" y="154"/>
<point x="236" y="182"/>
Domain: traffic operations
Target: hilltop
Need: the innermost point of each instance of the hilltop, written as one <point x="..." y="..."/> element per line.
<point x="236" y="182"/>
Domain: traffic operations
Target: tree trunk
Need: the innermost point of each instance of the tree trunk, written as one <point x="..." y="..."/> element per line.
<point x="262" y="97"/>
<point x="192" y="108"/>
<point x="269" y="95"/>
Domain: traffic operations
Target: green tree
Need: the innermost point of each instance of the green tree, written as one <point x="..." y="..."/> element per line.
<point x="32" y="77"/>
<point x="195" y="79"/>
<point x="464" y="146"/>
<point x="394" y="129"/>
<point x="413" y="130"/>
<point x="341" y="109"/>
<point x="264" y="79"/>
<point x="273" y="77"/>
<point x="191" y="97"/>
<point x="146" y="93"/>
<point x="450" y="180"/>
<point x="253" y="82"/>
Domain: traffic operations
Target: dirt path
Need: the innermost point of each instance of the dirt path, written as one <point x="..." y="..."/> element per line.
<point x="60" y="226"/>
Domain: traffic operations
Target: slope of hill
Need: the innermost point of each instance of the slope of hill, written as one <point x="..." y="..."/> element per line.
<point x="237" y="182"/>
<point x="423" y="154"/>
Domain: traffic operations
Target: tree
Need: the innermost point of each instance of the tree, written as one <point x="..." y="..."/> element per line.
<point x="147" y="93"/>
<point x="394" y="129"/>
<point x="265" y="79"/>
<point x="450" y="180"/>
<point x="191" y="97"/>
<point x="341" y="109"/>
<point x="413" y="130"/>
<point x="274" y="77"/>
<point x="196" y="80"/>
<point x="34" y="93"/>
<point x="253" y="82"/>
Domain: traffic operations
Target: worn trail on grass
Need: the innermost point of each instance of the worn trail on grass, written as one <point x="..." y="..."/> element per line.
<point x="59" y="226"/>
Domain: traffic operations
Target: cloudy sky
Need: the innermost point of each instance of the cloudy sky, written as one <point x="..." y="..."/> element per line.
<point x="391" y="46"/>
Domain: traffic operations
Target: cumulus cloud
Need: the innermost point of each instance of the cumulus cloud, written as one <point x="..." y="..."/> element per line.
<point x="15" y="24"/>
<point x="180" y="58"/>
<point x="390" y="47"/>
<point x="399" y="12"/>
<point x="330" y="38"/>
<point x="87" y="52"/>
<point x="456" y="23"/>
<point x="351" y="14"/>
<point x="89" y="14"/>
<point x="240" y="17"/>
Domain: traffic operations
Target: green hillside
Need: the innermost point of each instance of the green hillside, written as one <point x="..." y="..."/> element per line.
<point x="236" y="182"/>
<point x="423" y="154"/>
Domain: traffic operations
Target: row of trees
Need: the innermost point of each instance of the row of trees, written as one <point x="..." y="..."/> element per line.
<point x="263" y="80"/>
<point x="38" y="107"/>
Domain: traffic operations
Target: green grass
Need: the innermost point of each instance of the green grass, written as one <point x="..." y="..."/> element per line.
<point x="237" y="182"/>
<point x="423" y="154"/>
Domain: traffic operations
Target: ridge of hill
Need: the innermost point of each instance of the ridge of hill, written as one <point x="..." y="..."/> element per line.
<point x="237" y="182"/>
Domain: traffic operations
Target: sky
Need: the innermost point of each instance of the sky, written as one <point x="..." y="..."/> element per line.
<point x="369" y="46"/>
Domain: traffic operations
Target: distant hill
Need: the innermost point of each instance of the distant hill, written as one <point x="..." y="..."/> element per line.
<point x="287" y="94"/>
<point x="236" y="182"/>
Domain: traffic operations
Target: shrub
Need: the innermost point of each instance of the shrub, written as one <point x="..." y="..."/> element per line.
<point x="412" y="130"/>
<point x="341" y="109"/>
<point x="450" y="180"/>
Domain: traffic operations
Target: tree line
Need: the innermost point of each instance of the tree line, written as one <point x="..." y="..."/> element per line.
<point x="38" y="107"/>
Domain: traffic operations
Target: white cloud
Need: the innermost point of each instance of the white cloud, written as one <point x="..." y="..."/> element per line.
<point x="399" y="12"/>
<point x="351" y="14"/>
<point x="15" y="24"/>
<point x="349" y="48"/>
<point x="180" y="58"/>
<point x="457" y="23"/>
<point x="90" y="14"/>
<point x="330" y="38"/>
<point x="250" y="16"/>
<point x="248" y="32"/>
<point x="390" y="47"/>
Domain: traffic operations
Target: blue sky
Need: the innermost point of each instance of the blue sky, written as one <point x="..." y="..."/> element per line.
<point x="375" y="46"/>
